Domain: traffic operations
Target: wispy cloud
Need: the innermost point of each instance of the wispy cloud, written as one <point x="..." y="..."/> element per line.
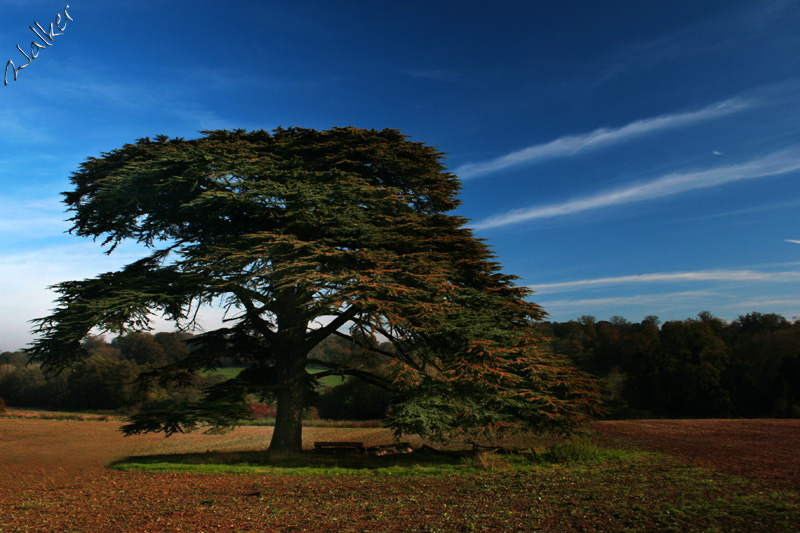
<point x="672" y="299"/>
<point x="677" y="305"/>
<point x="775" y="164"/>
<point x="793" y="240"/>
<point x="602" y="137"/>
<point x="750" y="210"/>
<point x="787" y="306"/>
<point x="668" y="277"/>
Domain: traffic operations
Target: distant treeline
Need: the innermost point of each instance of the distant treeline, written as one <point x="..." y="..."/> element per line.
<point x="703" y="367"/>
<point x="106" y="379"/>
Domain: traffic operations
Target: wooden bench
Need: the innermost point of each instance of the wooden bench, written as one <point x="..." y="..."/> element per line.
<point x="339" y="446"/>
<point x="390" y="449"/>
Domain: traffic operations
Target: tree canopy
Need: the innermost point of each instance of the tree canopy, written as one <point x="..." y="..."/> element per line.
<point x="303" y="234"/>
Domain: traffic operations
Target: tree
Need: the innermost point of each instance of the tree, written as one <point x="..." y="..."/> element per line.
<point x="141" y="348"/>
<point x="100" y="383"/>
<point x="651" y="319"/>
<point x="765" y="358"/>
<point x="305" y="234"/>
<point x="690" y="368"/>
<point x="22" y="386"/>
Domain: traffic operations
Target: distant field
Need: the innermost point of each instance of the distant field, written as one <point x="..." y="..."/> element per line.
<point x="233" y="371"/>
<point x="227" y="371"/>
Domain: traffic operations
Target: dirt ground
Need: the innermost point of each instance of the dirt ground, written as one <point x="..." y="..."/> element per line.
<point x="763" y="450"/>
<point x="53" y="477"/>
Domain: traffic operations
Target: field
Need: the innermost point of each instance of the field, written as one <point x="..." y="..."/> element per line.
<point x="232" y="371"/>
<point x="705" y="475"/>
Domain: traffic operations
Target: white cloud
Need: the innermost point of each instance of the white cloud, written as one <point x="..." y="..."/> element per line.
<point x="646" y="300"/>
<point x="782" y="162"/>
<point x="601" y="137"/>
<point x="673" y="306"/>
<point x="670" y="277"/>
<point x="767" y="303"/>
<point x="751" y="210"/>
<point x="25" y="276"/>
<point x="787" y="305"/>
<point x="793" y="240"/>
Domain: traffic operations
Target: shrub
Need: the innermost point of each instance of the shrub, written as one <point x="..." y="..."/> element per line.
<point x="23" y="386"/>
<point x="262" y="411"/>
<point x="579" y="450"/>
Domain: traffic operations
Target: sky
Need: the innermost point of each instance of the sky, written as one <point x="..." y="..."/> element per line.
<point x="621" y="158"/>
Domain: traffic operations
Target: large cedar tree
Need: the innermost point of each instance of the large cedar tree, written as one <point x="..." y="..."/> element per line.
<point x="305" y="234"/>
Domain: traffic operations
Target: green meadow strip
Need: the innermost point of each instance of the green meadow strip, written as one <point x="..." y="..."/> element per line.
<point x="574" y="454"/>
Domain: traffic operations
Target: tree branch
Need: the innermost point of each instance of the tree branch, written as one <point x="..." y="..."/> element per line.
<point x="338" y="370"/>
<point x="361" y="345"/>
<point x="318" y="335"/>
<point x="252" y="313"/>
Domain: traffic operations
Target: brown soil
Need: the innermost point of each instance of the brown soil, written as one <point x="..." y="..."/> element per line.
<point x="764" y="450"/>
<point x="53" y="477"/>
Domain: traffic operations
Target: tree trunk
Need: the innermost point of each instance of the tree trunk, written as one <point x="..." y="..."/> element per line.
<point x="290" y="369"/>
<point x="288" y="435"/>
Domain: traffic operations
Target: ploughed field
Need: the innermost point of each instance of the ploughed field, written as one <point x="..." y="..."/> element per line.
<point x="763" y="450"/>
<point x="731" y="475"/>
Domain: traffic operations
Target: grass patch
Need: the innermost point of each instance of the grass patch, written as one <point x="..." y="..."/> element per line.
<point x="230" y="372"/>
<point x="317" y="423"/>
<point x="581" y="450"/>
<point x="307" y="463"/>
<point x="327" y="381"/>
<point x="425" y="461"/>
<point x="60" y="415"/>
<point x="332" y="381"/>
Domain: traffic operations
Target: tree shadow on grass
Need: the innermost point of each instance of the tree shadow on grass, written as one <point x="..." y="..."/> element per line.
<point x="260" y="461"/>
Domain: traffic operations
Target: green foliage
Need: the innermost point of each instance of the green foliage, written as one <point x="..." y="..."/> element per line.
<point x="21" y="385"/>
<point x="141" y="348"/>
<point x="13" y="358"/>
<point x="98" y="383"/>
<point x="106" y="379"/>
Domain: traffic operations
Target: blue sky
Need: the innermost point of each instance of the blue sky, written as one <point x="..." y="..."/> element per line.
<point x="621" y="158"/>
